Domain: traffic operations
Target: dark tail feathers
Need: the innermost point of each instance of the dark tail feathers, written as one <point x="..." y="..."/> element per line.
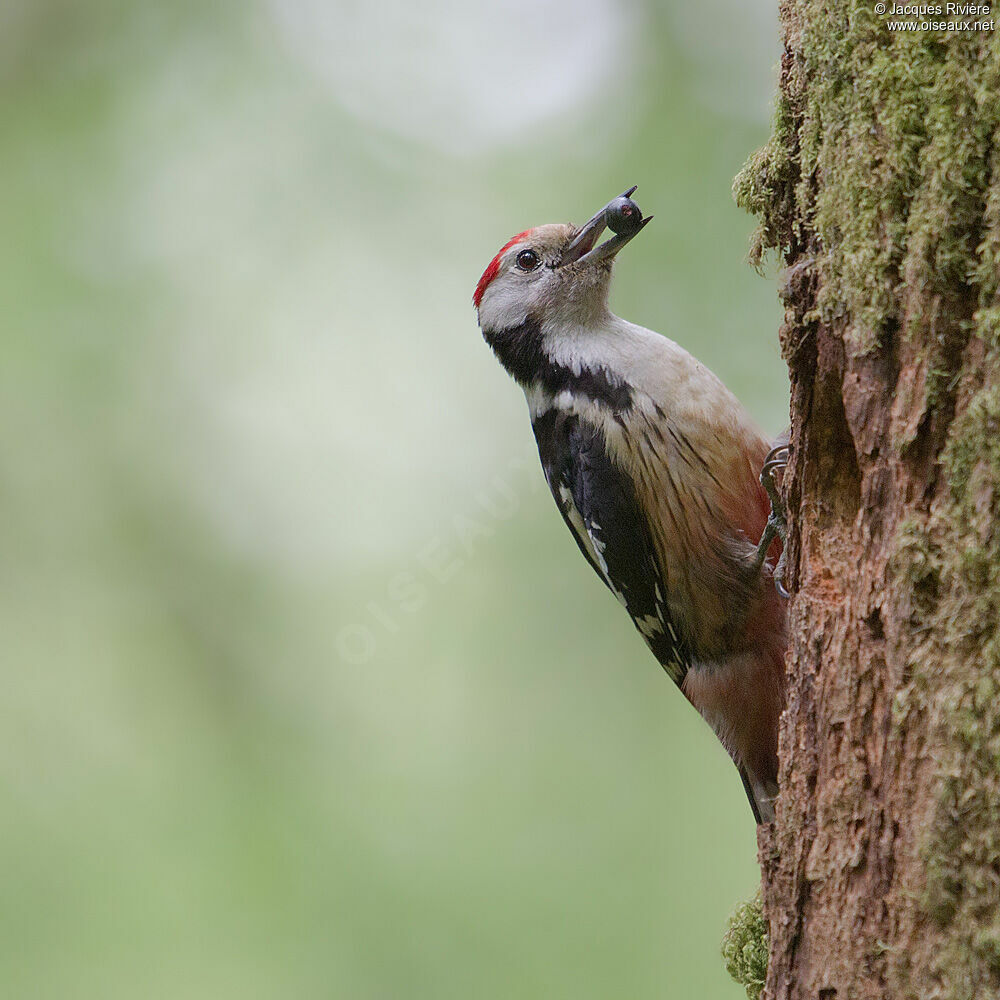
<point x="761" y="794"/>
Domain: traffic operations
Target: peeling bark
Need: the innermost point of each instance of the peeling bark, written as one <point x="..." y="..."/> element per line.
<point x="880" y="187"/>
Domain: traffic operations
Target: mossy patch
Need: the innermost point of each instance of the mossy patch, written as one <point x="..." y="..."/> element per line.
<point x="744" y="948"/>
<point x="883" y="147"/>
<point x="950" y="567"/>
<point x="883" y="172"/>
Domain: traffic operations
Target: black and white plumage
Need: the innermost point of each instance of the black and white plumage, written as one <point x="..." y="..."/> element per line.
<point x="653" y="465"/>
<point x="596" y="499"/>
<point x="598" y="504"/>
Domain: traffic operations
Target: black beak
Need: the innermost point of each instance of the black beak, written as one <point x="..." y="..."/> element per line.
<point x="622" y="216"/>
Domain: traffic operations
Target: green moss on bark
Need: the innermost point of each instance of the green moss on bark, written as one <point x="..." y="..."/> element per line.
<point x="883" y="172"/>
<point x="765" y="187"/>
<point x="744" y="948"/>
<point x="952" y="567"/>
<point x="883" y="149"/>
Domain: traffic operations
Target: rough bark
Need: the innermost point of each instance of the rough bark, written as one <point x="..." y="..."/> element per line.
<point x="880" y="187"/>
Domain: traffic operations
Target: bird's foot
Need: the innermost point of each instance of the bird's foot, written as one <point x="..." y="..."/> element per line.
<point x="777" y="524"/>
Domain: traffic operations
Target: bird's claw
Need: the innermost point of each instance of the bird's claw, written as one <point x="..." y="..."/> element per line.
<point x="777" y="524"/>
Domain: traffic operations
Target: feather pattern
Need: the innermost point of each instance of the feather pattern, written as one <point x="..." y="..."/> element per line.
<point x="653" y="464"/>
<point x="598" y="504"/>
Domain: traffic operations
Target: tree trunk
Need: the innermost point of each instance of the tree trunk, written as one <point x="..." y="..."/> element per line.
<point x="880" y="186"/>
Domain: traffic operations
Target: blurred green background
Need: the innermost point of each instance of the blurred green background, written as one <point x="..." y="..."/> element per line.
<point x="306" y="689"/>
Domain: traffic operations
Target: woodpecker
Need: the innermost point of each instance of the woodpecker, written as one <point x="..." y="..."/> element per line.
<point x="656" y="469"/>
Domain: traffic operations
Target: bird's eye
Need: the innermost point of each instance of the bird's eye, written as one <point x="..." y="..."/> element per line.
<point x="528" y="260"/>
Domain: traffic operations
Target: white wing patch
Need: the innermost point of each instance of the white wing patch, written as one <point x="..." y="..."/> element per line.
<point x="597" y="501"/>
<point x="580" y="529"/>
<point x="592" y="542"/>
<point x="649" y="625"/>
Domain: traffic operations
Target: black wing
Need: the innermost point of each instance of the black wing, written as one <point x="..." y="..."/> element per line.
<point x="598" y="504"/>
